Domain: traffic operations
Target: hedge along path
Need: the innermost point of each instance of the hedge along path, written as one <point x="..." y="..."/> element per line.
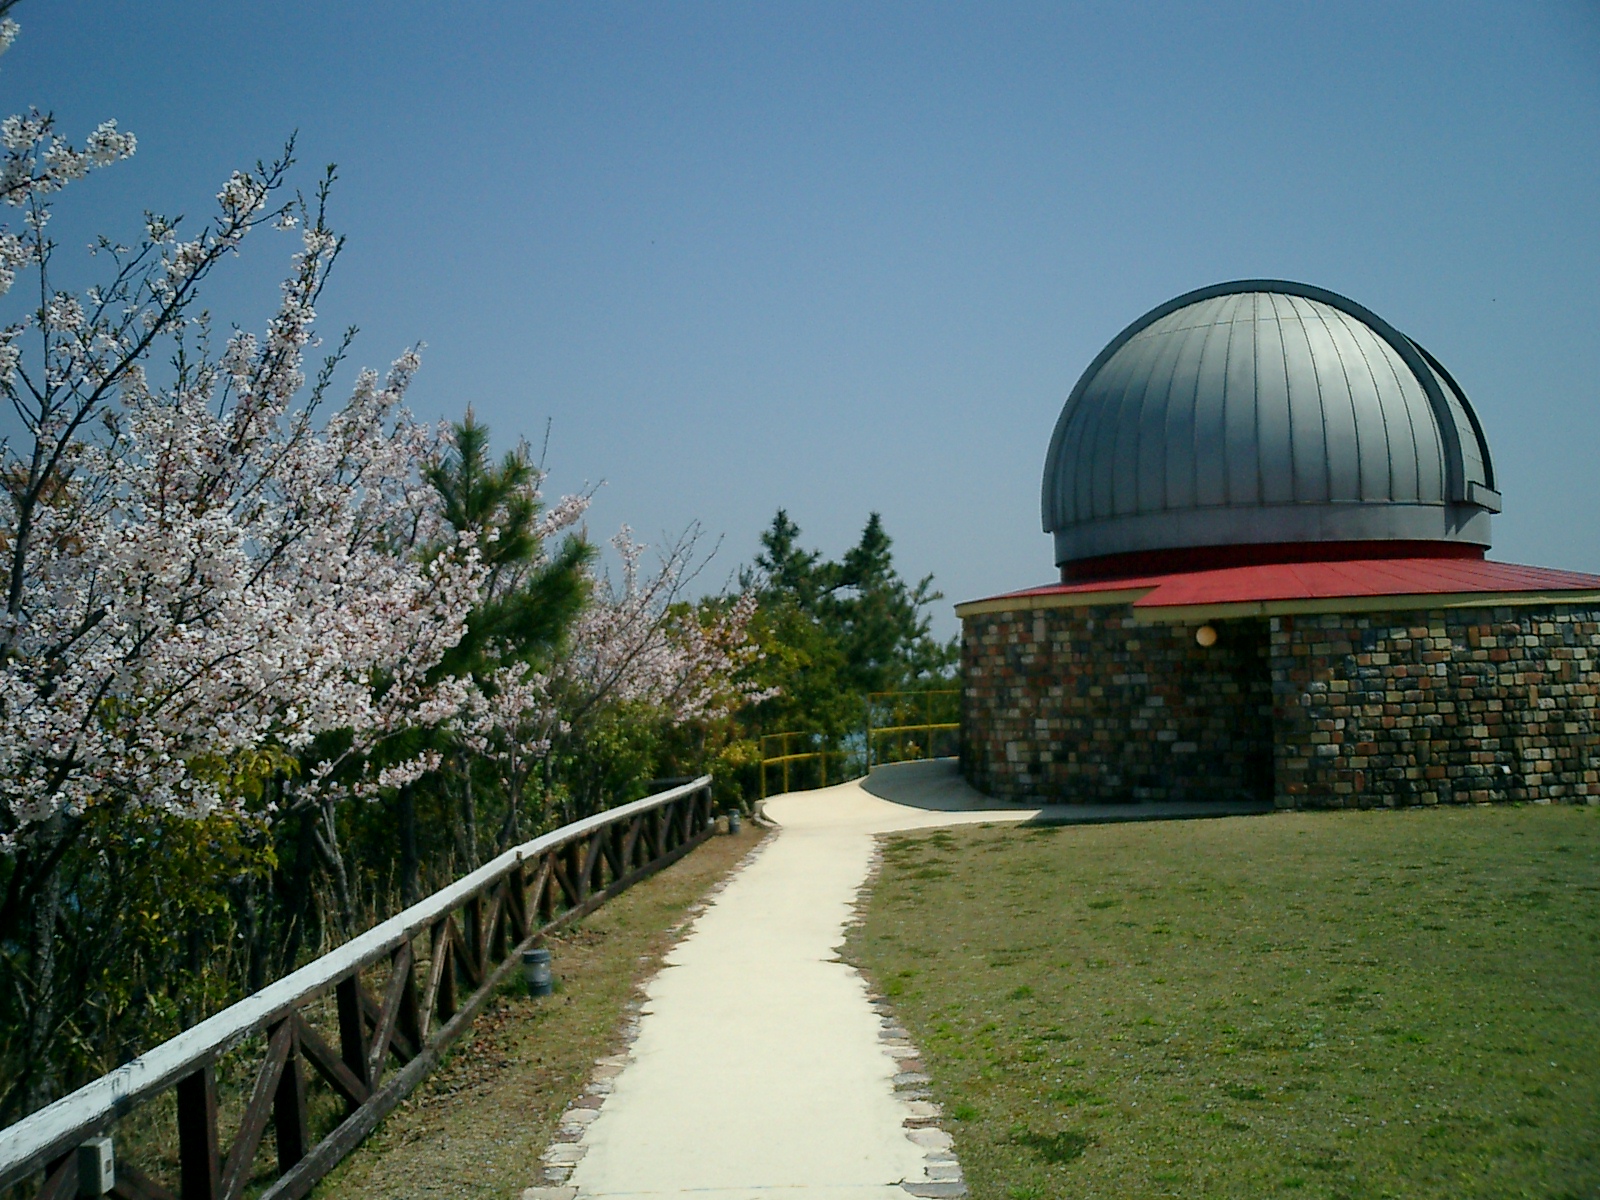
<point x="761" y="1064"/>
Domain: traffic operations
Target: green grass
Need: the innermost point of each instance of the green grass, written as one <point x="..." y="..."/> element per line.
<point x="1361" y="1004"/>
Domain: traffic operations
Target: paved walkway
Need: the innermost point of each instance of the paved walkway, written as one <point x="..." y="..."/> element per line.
<point x="760" y="1068"/>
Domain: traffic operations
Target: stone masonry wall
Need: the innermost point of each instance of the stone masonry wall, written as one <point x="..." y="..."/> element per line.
<point x="1435" y="707"/>
<point x="1084" y="704"/>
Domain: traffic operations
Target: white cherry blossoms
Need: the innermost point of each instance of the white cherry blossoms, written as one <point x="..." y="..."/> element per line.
<point x="202" y="554"/>
<point x="642" y="643"/>
<point x="208" y="561"/>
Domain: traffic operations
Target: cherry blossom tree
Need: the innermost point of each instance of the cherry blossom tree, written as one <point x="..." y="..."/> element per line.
<point x="235" y="596"/>
<point x="202" y="555"/>
<point x="640" y="648"/>
<point x="211" y="569"/>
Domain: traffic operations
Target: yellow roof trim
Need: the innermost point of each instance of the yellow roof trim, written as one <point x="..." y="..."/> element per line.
<point x="1185" y="613"/>
<point x="1042" y="600"/>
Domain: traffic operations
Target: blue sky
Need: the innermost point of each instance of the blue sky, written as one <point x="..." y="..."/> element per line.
<point x="842" y="258"/>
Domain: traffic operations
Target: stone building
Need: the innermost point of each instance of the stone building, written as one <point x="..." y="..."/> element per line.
<point x="1271" y="511"/>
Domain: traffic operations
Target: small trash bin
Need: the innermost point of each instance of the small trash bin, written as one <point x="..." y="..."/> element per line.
<point x="536" y="970"/>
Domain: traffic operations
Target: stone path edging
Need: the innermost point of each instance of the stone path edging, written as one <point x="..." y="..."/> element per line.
<point x="911" y="1082"/>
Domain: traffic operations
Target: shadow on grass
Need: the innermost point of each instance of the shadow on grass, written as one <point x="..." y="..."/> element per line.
<point x="1064" y="1146"/>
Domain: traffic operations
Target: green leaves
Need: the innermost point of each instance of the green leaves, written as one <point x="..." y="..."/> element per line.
<point x="531" y="596"/>
<point x="835" y="631"/>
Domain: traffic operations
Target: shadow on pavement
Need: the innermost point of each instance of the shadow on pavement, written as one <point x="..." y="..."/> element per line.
<point x="936" y="786"/>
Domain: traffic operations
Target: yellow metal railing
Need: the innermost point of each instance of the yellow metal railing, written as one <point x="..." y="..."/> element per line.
<point x="786" y="756"/>
<point x="901" y="706"/>
<point x="912" y="733"/>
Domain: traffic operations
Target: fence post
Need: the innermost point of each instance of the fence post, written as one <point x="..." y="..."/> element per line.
<point x="199" y="1170"/>
<point x="352" y="1031"/>
<point x="289" y="1111"/>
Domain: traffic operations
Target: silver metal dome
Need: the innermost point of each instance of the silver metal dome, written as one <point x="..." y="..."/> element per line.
<point x="1264" y="412"/>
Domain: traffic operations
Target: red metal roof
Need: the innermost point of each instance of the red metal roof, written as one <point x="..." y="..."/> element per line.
<point x="1326" y="581"/>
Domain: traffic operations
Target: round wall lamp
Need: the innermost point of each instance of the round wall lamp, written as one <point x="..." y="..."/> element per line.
<point x="1206" y="635"/>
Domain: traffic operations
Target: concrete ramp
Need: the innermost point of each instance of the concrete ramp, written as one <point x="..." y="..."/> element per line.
<point x="937" y="786"/>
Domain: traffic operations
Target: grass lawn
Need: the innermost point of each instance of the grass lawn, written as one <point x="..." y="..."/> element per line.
<point x="477" y="1125"/>
<point x="1350" y="1004"/>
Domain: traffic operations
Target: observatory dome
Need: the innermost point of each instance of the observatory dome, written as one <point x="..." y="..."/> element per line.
<point x="1275" y="419"/>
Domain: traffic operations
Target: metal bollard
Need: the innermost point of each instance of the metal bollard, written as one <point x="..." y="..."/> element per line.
<point x="536" y="970"/>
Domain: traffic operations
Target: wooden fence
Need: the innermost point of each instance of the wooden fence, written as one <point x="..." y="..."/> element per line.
<point x="389" y="1037"/>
